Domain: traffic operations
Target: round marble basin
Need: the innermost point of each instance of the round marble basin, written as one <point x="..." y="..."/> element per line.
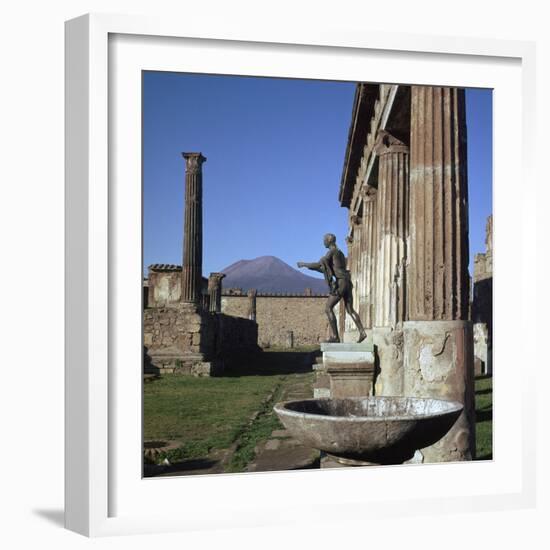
<point x="379" y="430"/>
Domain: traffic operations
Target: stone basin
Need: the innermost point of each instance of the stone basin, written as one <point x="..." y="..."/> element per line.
<point x="376" y="430"/>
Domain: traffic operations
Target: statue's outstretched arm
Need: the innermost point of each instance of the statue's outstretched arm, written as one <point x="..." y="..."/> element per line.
<point x="314" y="266"/>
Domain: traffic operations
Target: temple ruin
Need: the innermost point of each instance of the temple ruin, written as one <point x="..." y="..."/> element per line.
<point x="405" y="185"/>
<point x="482" y="305"/>
<point x="184" y="329"/>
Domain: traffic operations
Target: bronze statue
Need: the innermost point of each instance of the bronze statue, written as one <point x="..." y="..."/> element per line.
<point x="333" y="267"/>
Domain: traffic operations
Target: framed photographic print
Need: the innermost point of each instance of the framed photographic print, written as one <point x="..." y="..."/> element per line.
<point x="280" y="258"/>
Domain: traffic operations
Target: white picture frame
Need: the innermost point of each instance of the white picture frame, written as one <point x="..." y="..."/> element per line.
<point x="105" y="493"/>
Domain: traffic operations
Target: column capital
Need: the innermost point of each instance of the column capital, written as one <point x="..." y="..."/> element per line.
<point x="193" y="161"/>
<point x="368" y="193"/>
<point x="214" y="279"/>
<point x="386" y="143"/>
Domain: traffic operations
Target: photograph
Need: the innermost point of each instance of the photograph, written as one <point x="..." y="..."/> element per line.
<point x="317" y="274"/>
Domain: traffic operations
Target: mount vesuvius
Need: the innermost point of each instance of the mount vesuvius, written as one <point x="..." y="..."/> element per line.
<point x="270" y="274"/>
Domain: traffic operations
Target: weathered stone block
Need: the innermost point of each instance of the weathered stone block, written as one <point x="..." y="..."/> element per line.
<point x="350" y="368"/>
<point x="438" y="363"/>
<point x="389" y="351"/>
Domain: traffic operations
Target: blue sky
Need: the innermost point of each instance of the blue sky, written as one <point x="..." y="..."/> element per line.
<point x="275" y="151"/>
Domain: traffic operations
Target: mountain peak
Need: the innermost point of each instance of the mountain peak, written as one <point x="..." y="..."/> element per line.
<point x="270" y="274"/>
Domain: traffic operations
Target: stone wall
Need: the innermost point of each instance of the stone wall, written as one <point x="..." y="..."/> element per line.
<point x="277" y="315"/>
<point x="182" y="338"/>
<point x="482" y="304"/>
<point x="237" y="336"/>
<point x="163" y="285"/>
<point x="178" y="338"/>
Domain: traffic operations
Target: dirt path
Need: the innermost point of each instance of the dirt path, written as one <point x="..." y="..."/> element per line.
<point x="280" y="451"/>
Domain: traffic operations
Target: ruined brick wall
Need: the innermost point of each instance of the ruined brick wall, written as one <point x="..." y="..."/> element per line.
<point x="164" y="287"/>
<point x="176" y="338"/>
<point x="276" y="315"/>
<point x="237" y="335"/>
<point x="482" y="304"/>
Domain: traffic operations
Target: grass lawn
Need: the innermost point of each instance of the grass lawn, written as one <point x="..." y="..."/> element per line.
<point x="204" y="414"/>
<point x="484" y="417"/>
<point x="212" y="413"/>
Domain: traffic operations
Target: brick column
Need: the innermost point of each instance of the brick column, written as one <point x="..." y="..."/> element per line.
<point x="192" y="233"/>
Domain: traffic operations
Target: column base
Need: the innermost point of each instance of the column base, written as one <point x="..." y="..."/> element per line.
<point x="438" y="363"/>
<point x="389" y="354"/>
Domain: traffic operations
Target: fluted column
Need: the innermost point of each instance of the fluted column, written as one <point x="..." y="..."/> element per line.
<point x="215" y="291"/>
<point x="439" y="279"/>
<point x="392" y="215"/>
<point x="370" y="252"/>
<point x="353" y="264"/>
<point x="192" y="233"/>
<point x="438" y="340"/>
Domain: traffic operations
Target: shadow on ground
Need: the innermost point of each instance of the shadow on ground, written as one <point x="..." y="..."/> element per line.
<point x="483" y="415"/>
<point x="192" y="465"/>
<point x="268" y="363"/>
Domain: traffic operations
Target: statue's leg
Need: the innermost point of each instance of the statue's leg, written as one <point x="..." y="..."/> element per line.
<point x="348" y="301"/>
<point x="331" y="302"/>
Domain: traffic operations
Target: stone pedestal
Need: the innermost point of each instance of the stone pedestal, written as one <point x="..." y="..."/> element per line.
<point x="350" y="368"/>
<point x="438" y="363"/>
<point x="321" y="386"/>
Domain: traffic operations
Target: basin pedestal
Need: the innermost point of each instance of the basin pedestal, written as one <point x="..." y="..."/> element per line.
<point x="350" y="369"/>
<point x="329" y="461"/>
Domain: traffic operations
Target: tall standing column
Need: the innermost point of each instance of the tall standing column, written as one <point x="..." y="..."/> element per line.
<point x="192" y="233"/>
<point x="439" y="205"/>
<point x="392" y="210"/>
<point x="438" y="343"/>
<point x="370" y="252"/>
<point x="390" y="310"/>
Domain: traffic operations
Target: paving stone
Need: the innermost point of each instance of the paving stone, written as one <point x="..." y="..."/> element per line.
<point x="272" y="445"/>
